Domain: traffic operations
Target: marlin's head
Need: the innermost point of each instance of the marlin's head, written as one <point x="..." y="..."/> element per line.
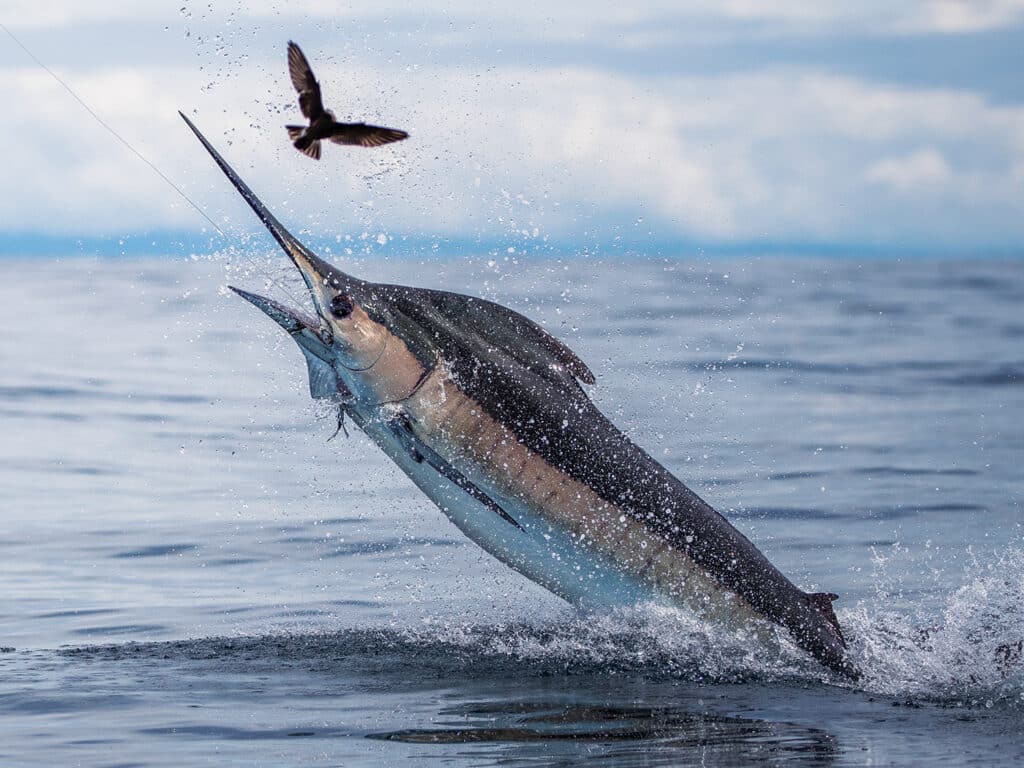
<point x="324" y="382"/>
<point x="355" y="346"/>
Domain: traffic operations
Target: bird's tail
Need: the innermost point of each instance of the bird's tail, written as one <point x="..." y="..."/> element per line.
<point x="302" y="142"/>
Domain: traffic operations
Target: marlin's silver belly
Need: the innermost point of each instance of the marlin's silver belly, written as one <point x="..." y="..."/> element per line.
<point x="541" y="551"/>
<point x="564" y="537"/>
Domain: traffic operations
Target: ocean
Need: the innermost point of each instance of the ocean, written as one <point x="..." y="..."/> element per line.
<point x="194" y="574"/>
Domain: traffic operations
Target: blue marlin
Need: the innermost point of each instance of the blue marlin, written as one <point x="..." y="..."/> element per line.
<point x="485" y="411"/>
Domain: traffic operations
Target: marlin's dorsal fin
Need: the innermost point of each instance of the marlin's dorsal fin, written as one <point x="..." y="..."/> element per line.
<point x="518" y="337"/>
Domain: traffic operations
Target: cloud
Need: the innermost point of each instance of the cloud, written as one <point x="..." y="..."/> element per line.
<point x="919" y="16"/>
<point x="957" y="16"/>
<point x="566" y="20"/>
<point x="925" y="170"/>
<point x="572" y="153"/>
<point x="573" y="150"/>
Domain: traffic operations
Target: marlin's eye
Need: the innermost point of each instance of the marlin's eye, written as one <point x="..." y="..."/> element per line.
<point x="341" y="306"/>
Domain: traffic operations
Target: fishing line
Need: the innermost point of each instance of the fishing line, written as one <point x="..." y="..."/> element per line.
<point x="273" y="280"/>
<point x="114" y="133"/>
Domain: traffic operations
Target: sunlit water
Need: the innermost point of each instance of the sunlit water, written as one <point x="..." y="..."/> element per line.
<point x="192" y="574"/>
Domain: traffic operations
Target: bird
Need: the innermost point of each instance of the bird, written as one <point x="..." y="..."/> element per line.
<point x="322" y="124"/>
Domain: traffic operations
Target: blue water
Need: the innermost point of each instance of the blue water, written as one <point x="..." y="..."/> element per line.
<point x="192" y="574"/>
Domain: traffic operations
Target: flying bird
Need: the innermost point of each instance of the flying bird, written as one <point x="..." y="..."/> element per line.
<point x="322" y="124"/>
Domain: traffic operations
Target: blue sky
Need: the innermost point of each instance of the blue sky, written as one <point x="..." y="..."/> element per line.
<point x="725" y="124"/>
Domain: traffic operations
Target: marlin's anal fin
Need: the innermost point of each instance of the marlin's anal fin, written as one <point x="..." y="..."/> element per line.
<point x="402" y="428"/>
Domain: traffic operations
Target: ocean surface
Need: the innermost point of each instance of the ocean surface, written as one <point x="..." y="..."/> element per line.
<point x="192" y="574"/>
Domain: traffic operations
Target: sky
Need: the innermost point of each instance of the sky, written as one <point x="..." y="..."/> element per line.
<point x="580" y="126"/>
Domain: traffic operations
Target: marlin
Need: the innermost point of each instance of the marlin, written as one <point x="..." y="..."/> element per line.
<point x="485" y="411"/>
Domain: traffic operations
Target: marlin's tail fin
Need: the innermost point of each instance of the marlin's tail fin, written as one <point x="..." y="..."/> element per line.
<point x="823" y="602"/>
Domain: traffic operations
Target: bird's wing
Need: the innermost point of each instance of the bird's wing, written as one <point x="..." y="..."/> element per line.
<point x="365" y="135"/>
<point x="304" y="82"/>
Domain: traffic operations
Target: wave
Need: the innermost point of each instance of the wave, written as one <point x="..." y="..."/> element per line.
<point x="968" y="654"/>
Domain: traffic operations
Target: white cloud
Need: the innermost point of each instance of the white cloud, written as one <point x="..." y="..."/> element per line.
<point x="569" y="152"/>
<point x="924" y="171"/>
<point x="964" y="15"/>
<point x="569" y="19"/>
<point x="572" y="152"/>
<point x="919" y="16"/>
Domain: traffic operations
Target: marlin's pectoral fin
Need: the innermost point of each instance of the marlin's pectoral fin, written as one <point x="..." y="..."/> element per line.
<point x="421" y="452"/>
<point x="402" y="429"/>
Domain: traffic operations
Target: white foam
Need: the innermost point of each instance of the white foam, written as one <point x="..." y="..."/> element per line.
<point x="958" y="656"/>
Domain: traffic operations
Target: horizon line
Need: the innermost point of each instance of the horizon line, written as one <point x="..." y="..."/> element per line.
<point x="185" y="243"/>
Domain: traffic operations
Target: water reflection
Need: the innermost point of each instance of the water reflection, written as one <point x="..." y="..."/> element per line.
<point x="522" y="732"/>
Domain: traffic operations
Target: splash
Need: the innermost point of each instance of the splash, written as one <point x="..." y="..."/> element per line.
<point x="651" y="640"/>
<point x="970" y="653"/>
